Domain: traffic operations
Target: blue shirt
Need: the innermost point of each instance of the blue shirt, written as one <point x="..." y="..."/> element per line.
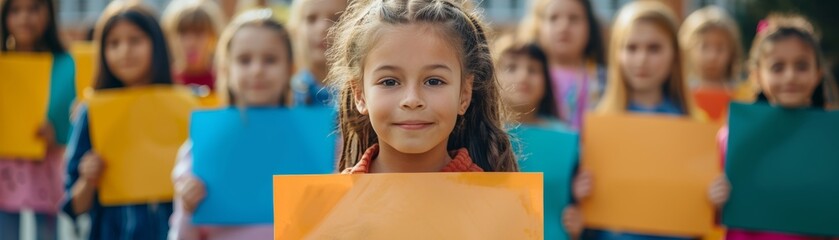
<point x="307" y="91"/>
<point x="665" y="107"/>
<point x="142" y="221"/>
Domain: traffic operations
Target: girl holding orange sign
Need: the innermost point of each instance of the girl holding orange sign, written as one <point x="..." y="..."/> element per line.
<point x="29" y="26"/>
<point x="436" y="111"/>
<point x="646" y="77"/>
<point x="132" y="53"/>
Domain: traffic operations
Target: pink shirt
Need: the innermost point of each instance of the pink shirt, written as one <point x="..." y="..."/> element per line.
<point x="739" y="234"/>
<point x="36" y="185"/>
<point x="575" y="92"/>
<point x="181" y="227"/>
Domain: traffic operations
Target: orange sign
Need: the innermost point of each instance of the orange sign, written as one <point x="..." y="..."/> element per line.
<point x="409" y="206"/>
<point x="651" y="174"/>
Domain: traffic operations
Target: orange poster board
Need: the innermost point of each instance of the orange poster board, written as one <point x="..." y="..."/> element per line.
<point x="24" y="96"/>
<point x="409" y="206"/>
<point x="137" y="132"/>
<point x="651" y="174"/>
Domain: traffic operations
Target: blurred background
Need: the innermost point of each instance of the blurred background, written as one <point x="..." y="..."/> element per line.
<point x="76" y="19"/>
<point x="77" y="16"/>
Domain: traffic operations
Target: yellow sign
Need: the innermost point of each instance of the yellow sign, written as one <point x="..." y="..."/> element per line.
<point x="137" y="132"/>
<point x="83" y="55"/>
<point x="409" y="206"/>
<point x="651" y="174"/>
<point x="24" y="96"/>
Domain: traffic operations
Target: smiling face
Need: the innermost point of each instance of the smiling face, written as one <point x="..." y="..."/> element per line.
<point x="788" y="73"/>
<point x="259" y="66"/>
<point x="413" y="102"/>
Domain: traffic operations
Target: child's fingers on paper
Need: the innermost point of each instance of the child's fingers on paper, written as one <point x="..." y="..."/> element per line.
<point x="582" y="185"/>
<point x="572" y="221"/>
<point x="46" y="133"/>
<point x="719" y="191"/>
<point x="91" y="166"/>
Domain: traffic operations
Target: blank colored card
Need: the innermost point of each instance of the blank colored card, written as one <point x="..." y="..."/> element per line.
<point x="83" y="55"/>
<point x="137" y="132"/>
<point x="409" y="206"/>
<point x="783" y="165"/>
<point x="651" y="174"/>
<point x="237" y="152"/>
<point x="554" y="153"/>
<point x="24" y="96"/>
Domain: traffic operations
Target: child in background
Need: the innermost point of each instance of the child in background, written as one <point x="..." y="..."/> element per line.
<point x="132" y="53"/>
<point x="438" y="110"/>
<point x="254" y="49"/>
<point x="525" y="82"/>
<point x="525" y="88"/>
<point x="710" y="40"/>
<point x="309" y="22"/>
<point x="645" y="76"/>
<point x="30" y="26"/>
<point x="568" y="32"/>
<point x="192" y="28"/>
<point x="785" y="52"/>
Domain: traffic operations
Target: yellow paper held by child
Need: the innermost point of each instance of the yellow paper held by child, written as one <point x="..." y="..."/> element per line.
<point x="24" y="96"/>
<point x="137" y="133"/>
<point x="83" y="55"/>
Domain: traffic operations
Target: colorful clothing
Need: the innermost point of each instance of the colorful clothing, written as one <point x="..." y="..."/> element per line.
<point x="576" y="92"/>
<point x="181" y="221"/>
<point x="207" y="79"/>
<point x="141" y="221"/>
<point x="37" y="184"/>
